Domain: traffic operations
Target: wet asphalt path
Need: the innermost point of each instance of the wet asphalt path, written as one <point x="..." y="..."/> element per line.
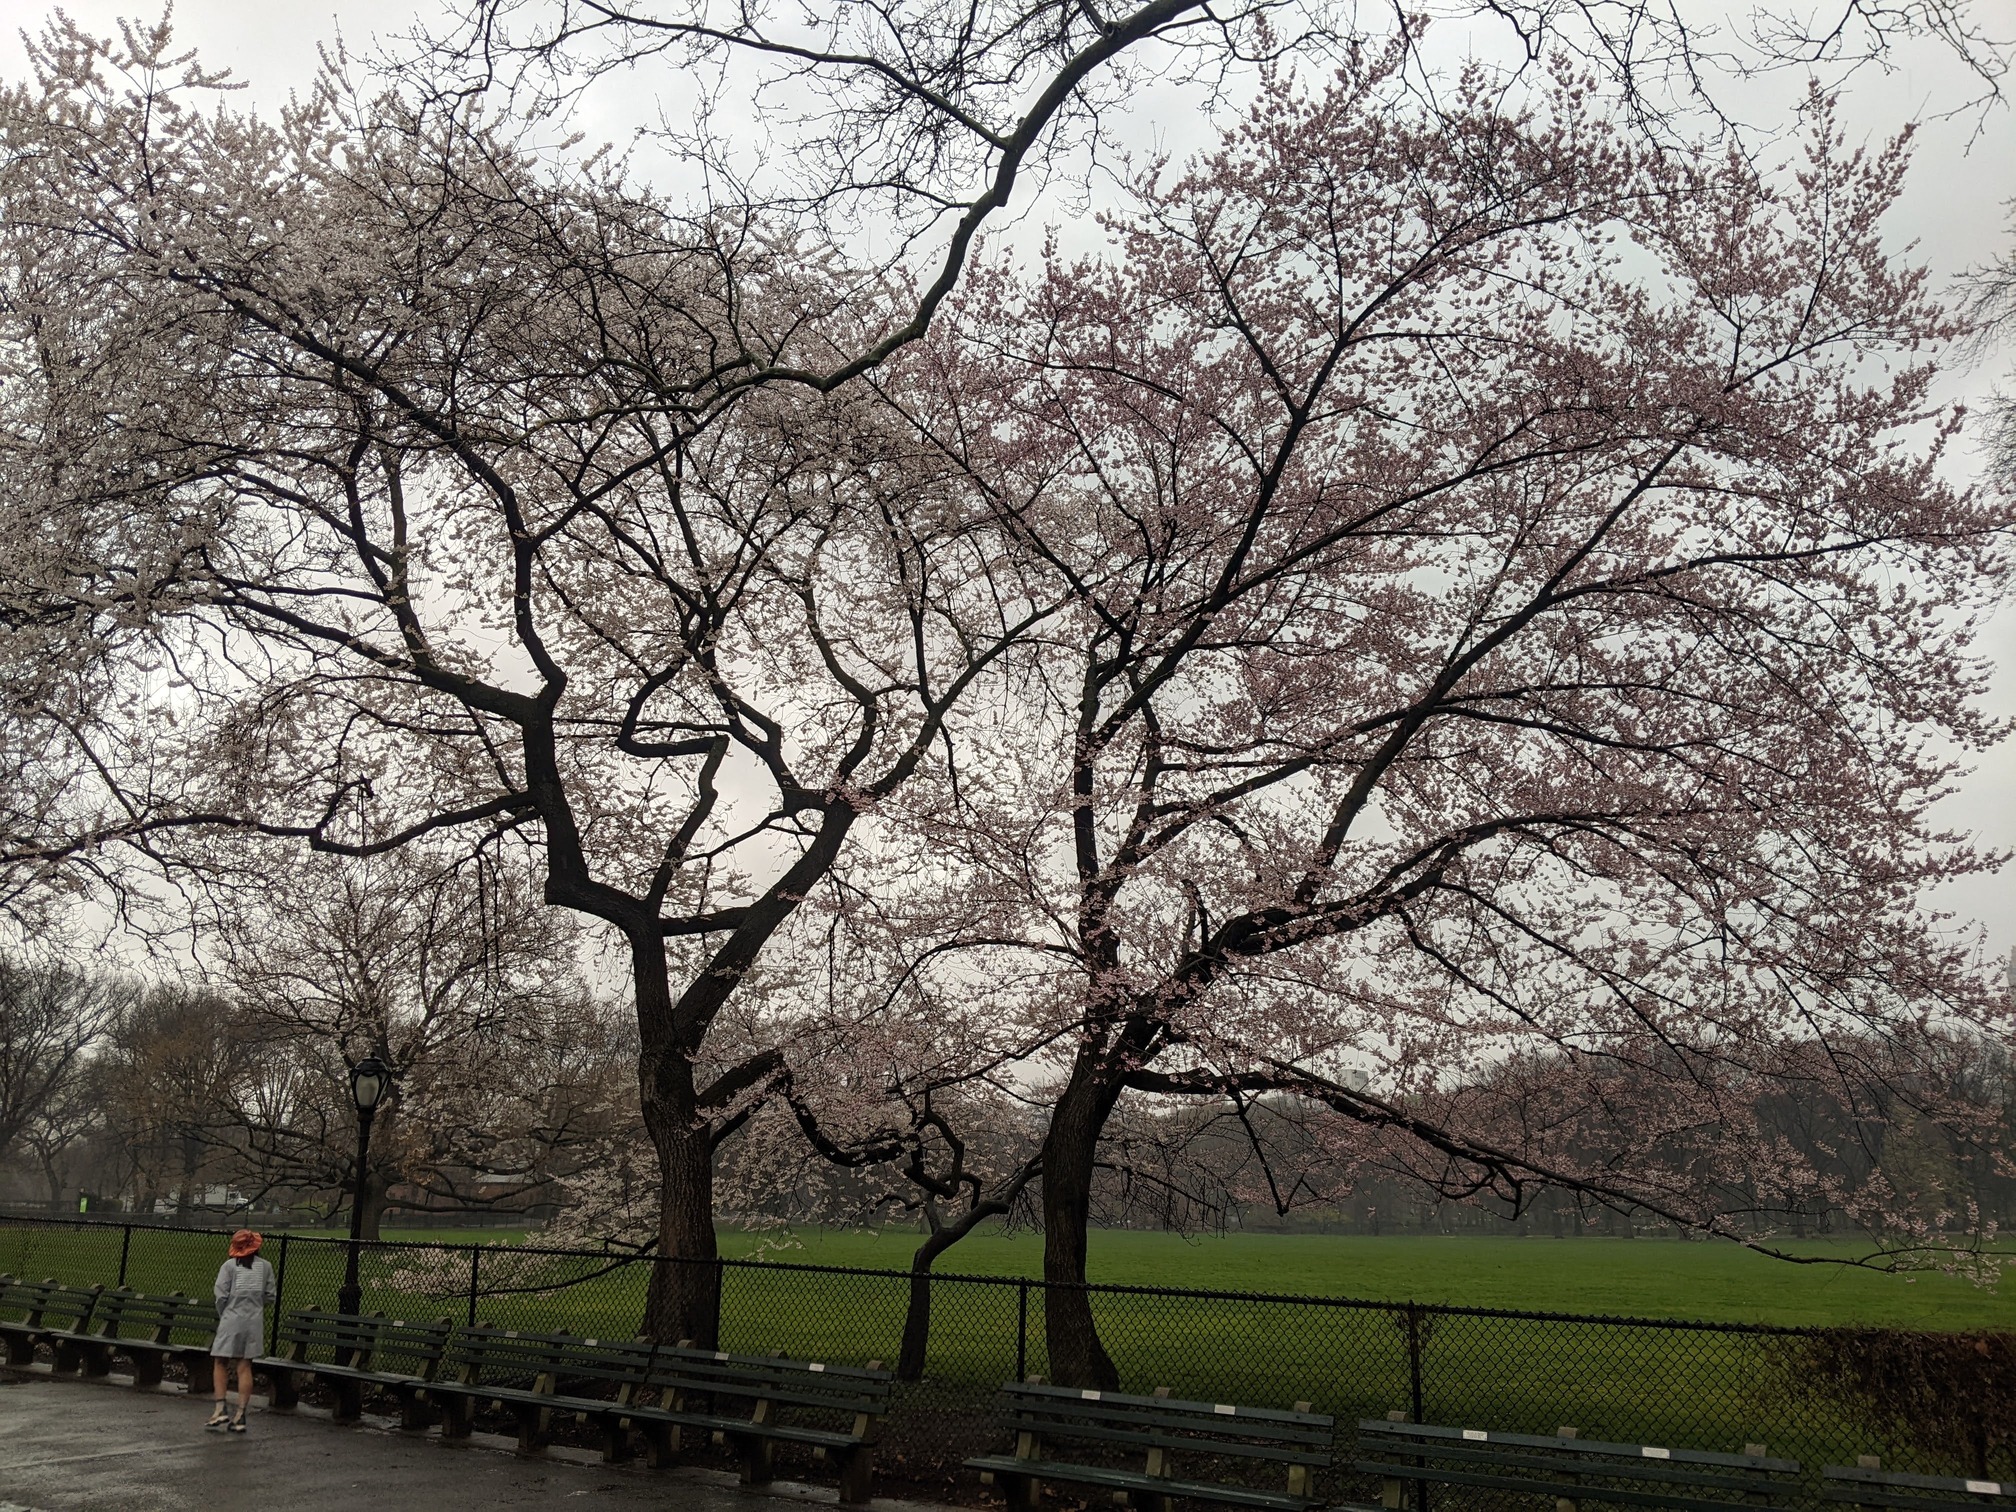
<point x="76" y="1446"/>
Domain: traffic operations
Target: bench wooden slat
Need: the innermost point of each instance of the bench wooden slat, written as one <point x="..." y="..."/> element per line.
<point x="813" y="1383"/>
<point x="1126" y="1419"/>
<point x="1159" y="1427"/>
<point x="1148" y="1438"/>
<point x="536" y="1375"/>
<point x="351" y="1352"/>
<point x="51" y="1313"/>
<point x="1566" y="1490"/>
<point x="1619" y="1468"/>
<point x="1914" y="1498"/>
<point x="1919" y="1502"/>
<point x="143" y="1328"/>
<point x="1421" y="1437"/>
<point x="1911" y="1480"/>
<point x="1246" y="1417"/>
<point x="1572" y="1470"/>
<point x="775" y="1364"/>
<point x="1135" y="1480"/>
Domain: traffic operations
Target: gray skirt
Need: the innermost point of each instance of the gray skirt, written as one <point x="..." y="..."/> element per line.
<point x="239" y="1335"/>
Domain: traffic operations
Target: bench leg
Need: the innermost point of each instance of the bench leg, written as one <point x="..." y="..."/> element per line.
<point x="285" y="1396"/>
<point x="147" y="1369"/>
<point x="857" y="1474"/>
<point x="457" y="1417"/>
<point x="349" y="1401"/>
<point x="69" y="1356"/>
<point x="534" y="1428"/>
<point x="97" y="1360"/>
<point x="615" y="1439"/>
<point x="1022" y="1491"/>
<point x="759" y="1459"/>
<point x="414" y="1415"/>
<point x="20" y="1350"/>
<point x="661" y="1444"/>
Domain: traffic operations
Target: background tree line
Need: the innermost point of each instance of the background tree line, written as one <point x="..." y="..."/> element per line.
<point x="230" y="1087"/>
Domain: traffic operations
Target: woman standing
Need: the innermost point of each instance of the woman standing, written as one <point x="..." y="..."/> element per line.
<point x="244" y="1288"/>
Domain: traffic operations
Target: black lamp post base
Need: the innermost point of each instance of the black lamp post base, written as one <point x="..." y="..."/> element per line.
<point x="349" y="1296"/>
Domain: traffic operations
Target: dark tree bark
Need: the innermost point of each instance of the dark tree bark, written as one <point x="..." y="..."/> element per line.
<point x="910" y="1359"/>
<point x="376" y="1196"/>
<point x="1077" y="1358"/>
<point x="917" y="1314"/>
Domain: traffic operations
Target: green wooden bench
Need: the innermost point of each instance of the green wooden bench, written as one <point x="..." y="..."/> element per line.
<point x="661" y="1393"/>
<point x="534" y="1376"/>
<point x="353" y="1354"/>
<point x="1569" y="1471"/>
<point x="149" y="1331"/>
<point x="45" y="1312"/>
<point x="1160" y="1429"/>
<point x="1867" y="1484"/>
<point x="803" y="1403"/>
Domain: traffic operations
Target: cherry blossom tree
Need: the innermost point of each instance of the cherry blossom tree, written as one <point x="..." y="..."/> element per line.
<point x="480" y="547"/>
<point x="1520" y="621"/>
<point x="928" y="1108"/>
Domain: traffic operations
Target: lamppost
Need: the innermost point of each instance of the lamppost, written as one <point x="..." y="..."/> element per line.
<point x="370" y="1080"/>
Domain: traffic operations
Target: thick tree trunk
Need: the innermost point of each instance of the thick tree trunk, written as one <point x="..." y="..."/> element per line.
<point x="372" y="1209"/>
<point x="917" y="1316"/>
<point x="185" y="1197"/>
<point x="684" y="1298"/>
<point x="1077" y="1358"/>
<point x="684" y="1301"/>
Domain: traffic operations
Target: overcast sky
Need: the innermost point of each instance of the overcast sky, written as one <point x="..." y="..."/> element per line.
<point x="1956" y="208"/>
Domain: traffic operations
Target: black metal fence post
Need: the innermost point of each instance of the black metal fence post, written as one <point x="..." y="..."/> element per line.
<point x="1414" y="1360"/>
<point x="279" y="1296"/>
<point x="720" y="1289"/>
<point x="475" y="1266"/>
<point x="125" y="1248"/>
<point x="1414" y="1391"/>
<point x="1022" y="1332"/>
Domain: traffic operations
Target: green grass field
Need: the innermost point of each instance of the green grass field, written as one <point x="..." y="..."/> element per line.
<point x="1644" y="1278"/>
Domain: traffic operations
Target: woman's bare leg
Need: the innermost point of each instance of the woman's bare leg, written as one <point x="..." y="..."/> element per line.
<point x="244" y="1387"/>
<point x="219" y="1371"/>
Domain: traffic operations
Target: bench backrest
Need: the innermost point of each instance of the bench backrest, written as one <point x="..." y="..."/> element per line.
<point x="315" y="1337"/>
<point x="1864" y="1486"/>
<point x="20" y="1300"/>
<point x="410" y="1346"/>
<point x="59" y="1308"/>
<point x="1063" y="1413"/>
<point x="810" y="1385"/>
<point x="133" y="1315"/>
<point x="47" y="1303"/>
<point x="364" y="1341"/>
<point x="1571" y="1468"/>
<point x="563" y="1363"/>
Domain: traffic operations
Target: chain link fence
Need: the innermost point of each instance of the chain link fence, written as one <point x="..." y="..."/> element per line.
<point x="1699" y="1385"/>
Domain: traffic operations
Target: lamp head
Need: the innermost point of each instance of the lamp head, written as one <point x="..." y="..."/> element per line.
<point x="370" y="1080"/>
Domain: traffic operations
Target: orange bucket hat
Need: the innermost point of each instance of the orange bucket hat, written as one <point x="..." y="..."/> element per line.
<point x="245" y="1242"/>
